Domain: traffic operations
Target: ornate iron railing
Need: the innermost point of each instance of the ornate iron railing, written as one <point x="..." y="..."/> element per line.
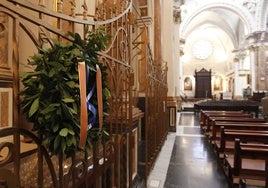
<point x="153" y="84"/>
<point x="99" y="167"/>
<point x="156" y="110"/>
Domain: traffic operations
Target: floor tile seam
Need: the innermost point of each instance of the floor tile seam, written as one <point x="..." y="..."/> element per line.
<point x="190" y="126"/>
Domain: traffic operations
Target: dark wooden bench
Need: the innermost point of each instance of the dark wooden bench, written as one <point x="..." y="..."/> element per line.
<point x="241" y="118"/>
<point x="249" y="163"/>
<point x="253" y="125"/>
<point x="224" y="146"/>
<point x="203" y="113"/>
<point x="206" y="116"/>
<point x="228" y="105"/>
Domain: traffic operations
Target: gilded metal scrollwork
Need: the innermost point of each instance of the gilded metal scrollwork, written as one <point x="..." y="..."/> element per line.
<point x="6" y="152"/>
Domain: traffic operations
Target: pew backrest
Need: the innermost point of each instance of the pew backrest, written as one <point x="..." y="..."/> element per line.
<point x="237" y="126"/>
<point x="249" y="151"/>
<point x="241" y="118"/>
<point x="204" y="113"/>
<point x="244" y="136"/>
<point x="208" y="117"/>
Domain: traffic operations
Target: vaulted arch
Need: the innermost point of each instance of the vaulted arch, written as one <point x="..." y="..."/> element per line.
<point x="243" y="14"/>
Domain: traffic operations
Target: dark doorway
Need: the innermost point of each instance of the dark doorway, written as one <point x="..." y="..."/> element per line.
<point x="203" y="83"/>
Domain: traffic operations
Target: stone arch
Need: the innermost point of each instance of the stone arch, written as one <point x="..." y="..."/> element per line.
<point x="245" y="16"/>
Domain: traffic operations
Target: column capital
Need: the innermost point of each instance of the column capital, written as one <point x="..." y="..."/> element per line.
<point x="257" y="39"/>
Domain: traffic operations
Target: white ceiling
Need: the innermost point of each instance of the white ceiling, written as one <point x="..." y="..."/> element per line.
<point x="222" y="27"/>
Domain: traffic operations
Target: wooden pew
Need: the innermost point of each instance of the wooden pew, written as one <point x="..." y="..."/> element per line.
<point x="227" y="136"/>
<point x="234" y="105"/>
<point x="241" y="118"/>
<point x="249" y="164"/>
<point x="203" y="113"/>
<point x="215" y="133"/>
<point x="208" y="117"/>
<point x="244" y="128"/>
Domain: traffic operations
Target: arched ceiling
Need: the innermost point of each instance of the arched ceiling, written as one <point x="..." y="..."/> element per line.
<point x="221" y="24"/>
<point x="224" y="24"/>
<point x="215" y="19"/>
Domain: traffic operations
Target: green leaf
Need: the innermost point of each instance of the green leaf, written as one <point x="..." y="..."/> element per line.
<point x="66" y="111"/>
<point x="55" y="128"/>
<point x="50" y="108"/>
<point x="71" y="84"/>
<point x="63" y="145"/>
<point x="68" y="100"/>
<point x="74" y="140"/>
<point x="52" y="73"/>
<point x="34" y="107"/>
<point x="76" y="52"/>
<point x="106" y="92"/>
<point x="64" y="132"/>
<point x="73" y="111"/>
<point x="56" y="144"/>
<point x="69" y="141"/>
<point x="71" y="132"/>
<point x="28" y="75"/>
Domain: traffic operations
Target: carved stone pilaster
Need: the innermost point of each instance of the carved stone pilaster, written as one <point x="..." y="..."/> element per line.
<point x="258" y="46"/>
<point x="239" y="58"/>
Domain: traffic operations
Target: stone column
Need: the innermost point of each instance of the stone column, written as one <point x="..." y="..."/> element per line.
<point x="176" y="50"/>
<point x="252" y="69"/>
<point x="170" y="45"/>
<point x="261" y="69"/>
<point x="181" y="53"/>
<point x="237" y="89"/>
<point x="170" y="53"/>
<point x="240" y="74"/>
<point x="258" y="46"/>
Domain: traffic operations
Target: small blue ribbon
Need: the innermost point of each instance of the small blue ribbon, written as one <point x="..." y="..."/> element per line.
<point x="92" y="120"/>
<point x="90" y="107"/>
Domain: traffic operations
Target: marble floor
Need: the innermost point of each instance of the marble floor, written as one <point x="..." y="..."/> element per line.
<point x="186" y="160"/>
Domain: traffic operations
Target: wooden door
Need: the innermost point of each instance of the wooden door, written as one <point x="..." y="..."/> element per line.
<point x="203" y="84"/>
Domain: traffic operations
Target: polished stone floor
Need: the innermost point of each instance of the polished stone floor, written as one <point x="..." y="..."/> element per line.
<point x="186" y="159"/>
